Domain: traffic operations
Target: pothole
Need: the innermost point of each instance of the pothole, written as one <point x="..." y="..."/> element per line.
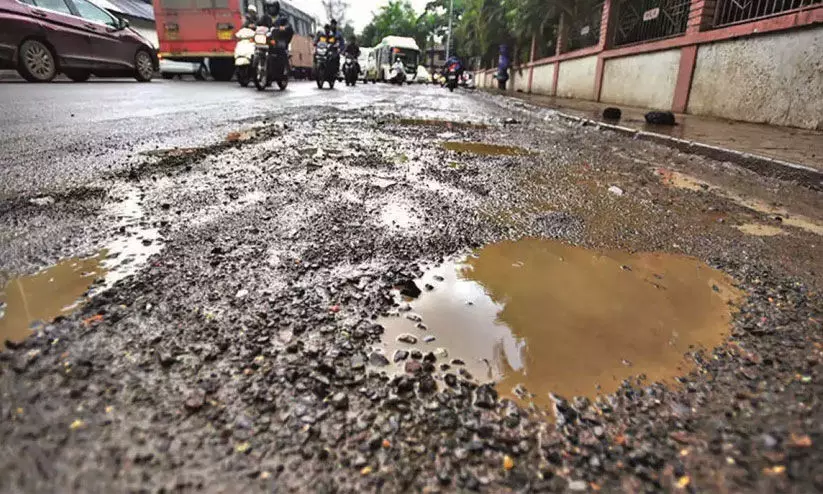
<point x="561" y="319"/>
<point x="483" y="149"/>
<point x="760" y="230"/>
<point x="43" y="296"/>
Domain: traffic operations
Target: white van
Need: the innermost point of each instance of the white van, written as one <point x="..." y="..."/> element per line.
<point x="364" y="60"/>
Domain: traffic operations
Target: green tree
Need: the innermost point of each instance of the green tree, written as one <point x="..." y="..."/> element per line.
<point x="397" y="18"/>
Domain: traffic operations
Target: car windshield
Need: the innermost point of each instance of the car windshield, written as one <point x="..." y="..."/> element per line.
<point x="407" y="56"/>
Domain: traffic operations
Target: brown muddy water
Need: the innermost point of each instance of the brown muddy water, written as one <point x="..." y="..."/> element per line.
<point x="447" y="124"/>
<point x="45" y="295"/>
<point x="483" y="149"/>
<point x="562" y="319"/>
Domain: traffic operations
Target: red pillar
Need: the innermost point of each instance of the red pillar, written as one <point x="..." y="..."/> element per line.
<point x="701" y="16"/>
<point x="558" y="49"/>
<point x="531" y="63"/>
<point x="606" y="27"/>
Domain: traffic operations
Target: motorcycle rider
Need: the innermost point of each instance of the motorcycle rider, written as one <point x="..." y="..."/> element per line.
<point x="353" y="50"/>
<point x="337" y="34"/>
<point x="282" y="30"/>
<point x="453" y="60"/>
<point x="251" y="17"/>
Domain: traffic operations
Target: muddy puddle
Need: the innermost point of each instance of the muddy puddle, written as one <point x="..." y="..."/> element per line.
<point x="483" y="149"/>
<point x="43" y="296"/>
<point x="561" y="319"/>
<point x="682" y="181"/>
<point x="760" y="230"/>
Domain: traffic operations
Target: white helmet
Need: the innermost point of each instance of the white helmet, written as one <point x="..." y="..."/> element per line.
<point x="252" y="8"/>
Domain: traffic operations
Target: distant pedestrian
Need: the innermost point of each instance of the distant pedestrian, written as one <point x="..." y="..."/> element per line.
<point x="503" y="68"/>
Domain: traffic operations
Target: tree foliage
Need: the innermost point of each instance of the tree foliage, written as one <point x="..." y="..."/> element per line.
<point x="480" y="26"/>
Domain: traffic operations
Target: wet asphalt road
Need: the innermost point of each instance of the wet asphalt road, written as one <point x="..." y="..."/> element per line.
<point x="249" y="242"/>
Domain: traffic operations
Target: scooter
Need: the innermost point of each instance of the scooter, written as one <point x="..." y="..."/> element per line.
<point x="351" y="71"/>
<point x="451" y="78"/>
<point x="243" y="55"/>
<point x="326" y="63"/>
<point x="271" y="59"/>
<point x="397" y="75"/>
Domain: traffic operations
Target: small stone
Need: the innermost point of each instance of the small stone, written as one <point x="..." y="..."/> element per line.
<point x="428" y="338"/>
<point x="578" y="485"/>
<point x="508" y="463"/>
<point x="441" y="353"/>
<point x="485" y="397"/>
<point x="407" y="338"/>
<point x="457" y="361"/>
<point x="242" y="293"/>
<point x="421" y="326"/>
<point x="413" y="367"/>
<point x="243" y="447"/>
<point x="378" y="359"/>
<point x="76" y="424"/>
<point x="416" y="354"/>
<point x="340" y="401"/>
<point x="428" y="287"/>
<point x="400" y="355"/>
<point x="427" y="384"/>
<point x="413" y="317"/>
<point x="451" y="380"/>
<point x="196" y="400"/>
<point x="439" y="278"/>
<point x="409" y="288"/>
<point x="358" y="362"/>
<point x="616" y="190"/>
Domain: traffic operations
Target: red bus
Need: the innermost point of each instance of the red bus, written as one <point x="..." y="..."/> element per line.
<point x="203" y="31"/>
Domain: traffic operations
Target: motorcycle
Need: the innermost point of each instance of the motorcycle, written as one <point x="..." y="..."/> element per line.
<point x="271" y="58"/>
<point x="397" y="75"/>
<point x="351" y="71"/>
<point x="243" y="56"/>
<point x="452" y="78"/>
<point x="326" y="63"/>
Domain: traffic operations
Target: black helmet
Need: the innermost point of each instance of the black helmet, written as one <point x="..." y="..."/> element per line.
<point x="272" y="7"/>
<point x="333" y="22"/>
<point x="326" y="27"/>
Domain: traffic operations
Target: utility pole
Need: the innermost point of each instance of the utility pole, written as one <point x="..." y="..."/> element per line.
<point x="449" y="37"/>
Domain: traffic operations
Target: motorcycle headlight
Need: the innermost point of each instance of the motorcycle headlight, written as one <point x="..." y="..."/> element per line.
<point x="260" y="39"/>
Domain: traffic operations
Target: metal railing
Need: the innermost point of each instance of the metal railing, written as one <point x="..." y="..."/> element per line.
<point x="729" y="12"/>
<point x="584" y="30"/>
<point x="645" y="20"/>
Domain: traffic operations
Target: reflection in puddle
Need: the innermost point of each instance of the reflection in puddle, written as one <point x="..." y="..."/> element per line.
<point x="760" y="230"/>
<point x="45" y="295"/>
<point x="484" y="149"/>
<point x="682" y="181"/>
<point x="567" y="320"/>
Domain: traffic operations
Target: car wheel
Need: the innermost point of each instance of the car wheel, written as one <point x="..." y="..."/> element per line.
<point x="78" y="75"/>
<point x="143" y="66"/>
<point x="37" y="63"/>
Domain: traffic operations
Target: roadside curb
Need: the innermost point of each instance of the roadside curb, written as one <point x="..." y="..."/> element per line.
<point x="770" y="167"/>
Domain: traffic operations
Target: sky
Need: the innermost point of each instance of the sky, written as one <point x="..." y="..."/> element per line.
<point x="360" y="11"/>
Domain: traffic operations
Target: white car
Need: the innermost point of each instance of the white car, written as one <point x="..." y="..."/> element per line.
<point x="423" y="76"/>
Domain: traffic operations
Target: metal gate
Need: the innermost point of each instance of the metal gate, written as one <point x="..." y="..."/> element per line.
<point x="645" y="20"/>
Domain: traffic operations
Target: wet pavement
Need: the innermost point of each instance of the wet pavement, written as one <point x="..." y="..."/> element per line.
<point x="393" y="289"/>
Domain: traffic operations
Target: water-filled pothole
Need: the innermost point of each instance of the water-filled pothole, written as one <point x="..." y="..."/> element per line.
<point x="563" y="319"/>
<point x="484" y="149"/>
<point x="47" y="294"/>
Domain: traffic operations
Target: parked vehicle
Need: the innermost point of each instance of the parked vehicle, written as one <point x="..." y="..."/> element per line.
<point x="271" y="57"/>
<point x="42" y="38"/>
<point x="372" y="73"/>
<point x="202" y="32"/>
<point x="169" y="69"/>
<point x="363" y="61"/>
<point x="467" y="80"/>
<point x="350" y="71"/>
<point x="392" y="49"/>
<point x="326" y="63"/>
<point x="243" y="56"/>
<point x="422" y="76"/>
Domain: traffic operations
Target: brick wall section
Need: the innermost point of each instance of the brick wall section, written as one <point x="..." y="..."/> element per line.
<point x="701" y="15"/>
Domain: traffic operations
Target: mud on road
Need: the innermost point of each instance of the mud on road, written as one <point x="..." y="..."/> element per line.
<point x="233" y="337"/>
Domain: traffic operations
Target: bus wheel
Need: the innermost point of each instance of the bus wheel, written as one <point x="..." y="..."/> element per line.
<point x="222" y="69"/>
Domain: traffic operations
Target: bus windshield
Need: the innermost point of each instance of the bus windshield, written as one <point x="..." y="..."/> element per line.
<point x="406" y="55"/>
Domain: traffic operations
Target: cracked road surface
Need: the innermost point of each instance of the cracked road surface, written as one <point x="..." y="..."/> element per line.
<point x="204" y="275"/>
